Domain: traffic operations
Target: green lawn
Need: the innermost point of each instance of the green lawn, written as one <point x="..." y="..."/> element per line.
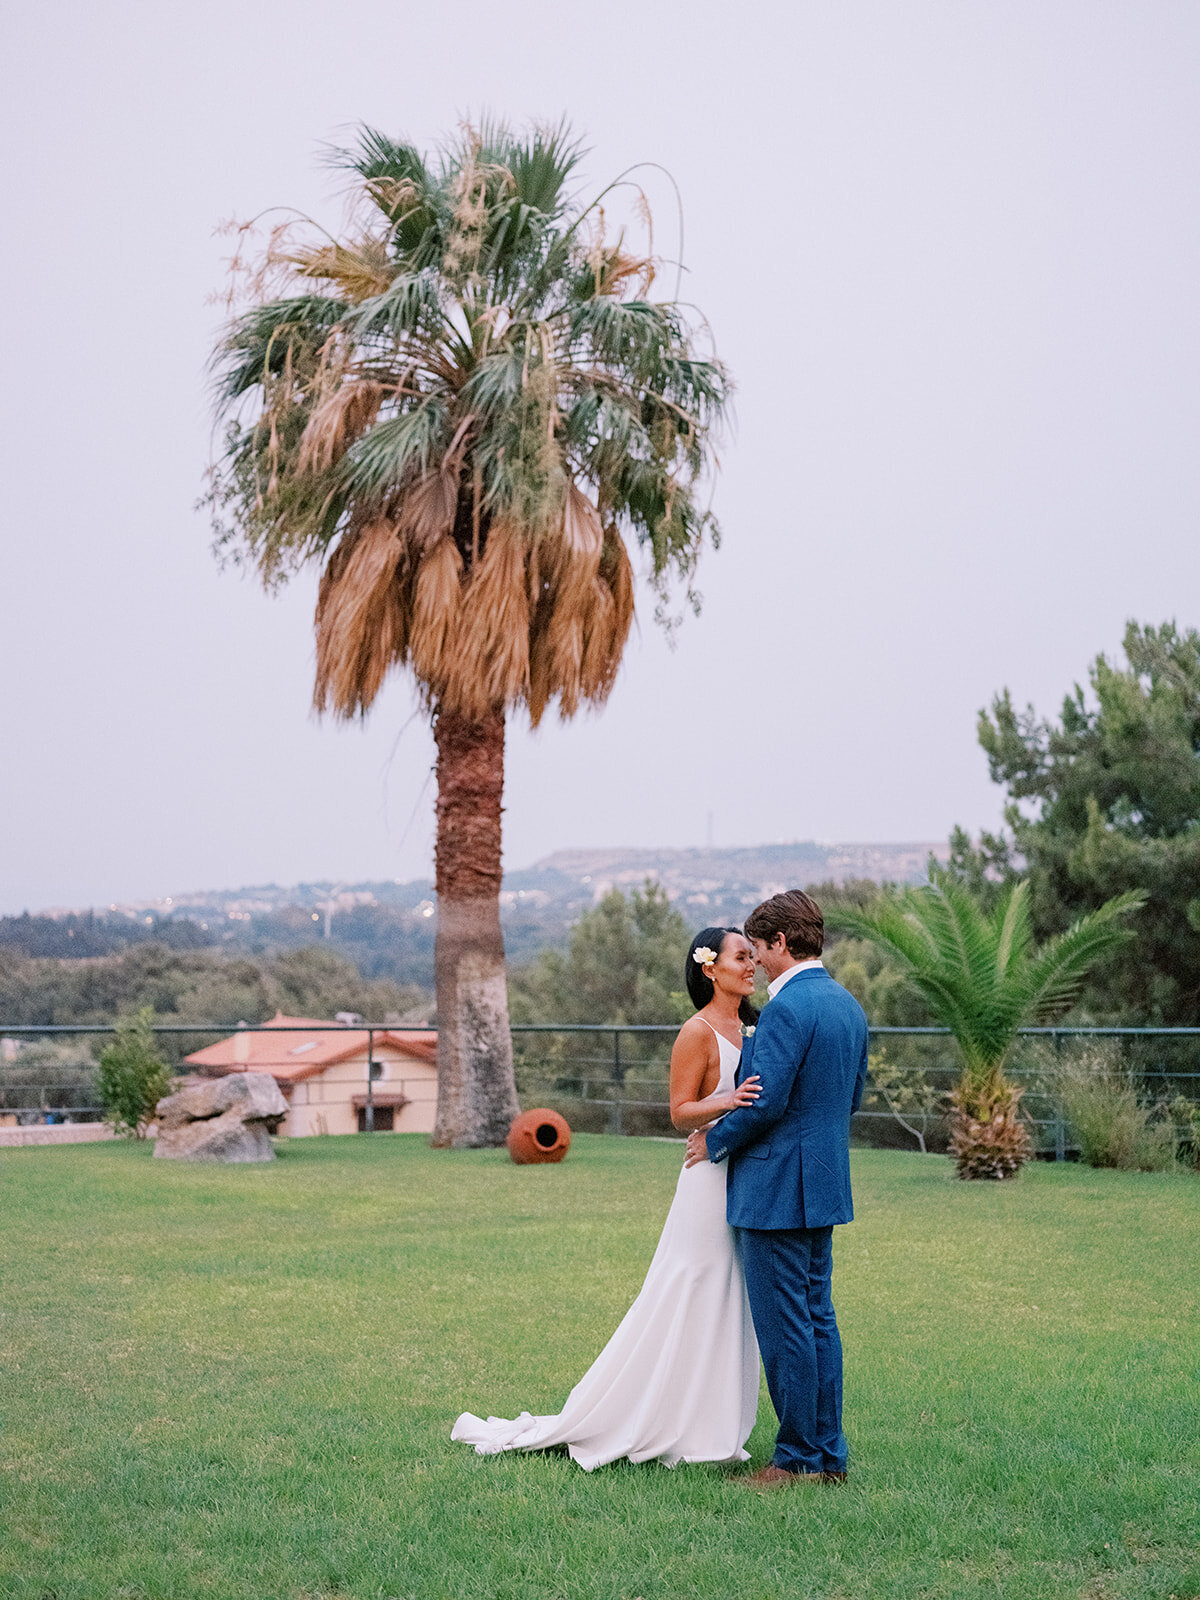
<point x="239" y="1383"/>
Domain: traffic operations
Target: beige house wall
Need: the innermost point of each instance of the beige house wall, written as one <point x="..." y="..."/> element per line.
<point x="324" y="1103"/>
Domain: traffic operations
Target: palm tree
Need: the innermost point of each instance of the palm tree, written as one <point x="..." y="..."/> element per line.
<point x="460" y="413"/>
<point x="983" y="978"/>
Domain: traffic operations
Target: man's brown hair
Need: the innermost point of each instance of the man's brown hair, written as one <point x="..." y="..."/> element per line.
<point x="796" y="916"/>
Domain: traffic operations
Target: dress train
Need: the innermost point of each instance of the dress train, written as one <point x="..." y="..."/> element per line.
<point x="678" y="1380"/>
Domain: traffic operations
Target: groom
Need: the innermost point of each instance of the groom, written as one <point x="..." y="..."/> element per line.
<point x="789" y="1180"/>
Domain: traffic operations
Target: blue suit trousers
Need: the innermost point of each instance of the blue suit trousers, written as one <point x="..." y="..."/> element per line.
<point x="788" y="1279"/>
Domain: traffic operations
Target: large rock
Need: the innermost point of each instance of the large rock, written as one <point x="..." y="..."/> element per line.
<point x="221" y="1119"/>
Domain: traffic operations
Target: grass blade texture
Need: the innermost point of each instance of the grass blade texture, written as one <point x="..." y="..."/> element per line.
<point x="239" y="1383"/>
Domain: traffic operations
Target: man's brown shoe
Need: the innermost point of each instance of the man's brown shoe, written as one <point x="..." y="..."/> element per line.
<point x="774" y="1477"/>
<point x="834" y="1477"/>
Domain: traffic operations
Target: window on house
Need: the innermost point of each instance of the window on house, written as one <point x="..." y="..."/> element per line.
<point x="385" y="1119"/>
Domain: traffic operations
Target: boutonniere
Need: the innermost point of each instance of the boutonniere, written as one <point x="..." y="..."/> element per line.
<point x="748" y="1033"/>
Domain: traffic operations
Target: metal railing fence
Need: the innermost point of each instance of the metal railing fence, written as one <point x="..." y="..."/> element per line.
<point x="613" y="1077"/>
<point x="187" y="1037"/>
<point x="616" y="1080"/>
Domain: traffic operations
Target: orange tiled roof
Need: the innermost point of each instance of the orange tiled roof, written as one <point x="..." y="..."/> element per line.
<point x="291" y="1056"/>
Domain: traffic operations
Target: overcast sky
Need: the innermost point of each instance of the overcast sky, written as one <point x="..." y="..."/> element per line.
<point x="949" y="251"/>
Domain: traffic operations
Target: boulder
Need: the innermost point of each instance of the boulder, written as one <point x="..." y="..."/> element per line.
<point x="220" y="1119"/>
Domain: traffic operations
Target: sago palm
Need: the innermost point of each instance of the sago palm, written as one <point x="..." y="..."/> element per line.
<point x="983" y="978"/>
<point x="460" y="413"/>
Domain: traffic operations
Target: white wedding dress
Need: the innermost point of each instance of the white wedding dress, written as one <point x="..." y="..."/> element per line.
<point x="678" y="1380"/>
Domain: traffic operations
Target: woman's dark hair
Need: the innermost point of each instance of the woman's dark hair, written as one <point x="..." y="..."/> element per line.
<point x="699" y="987"/>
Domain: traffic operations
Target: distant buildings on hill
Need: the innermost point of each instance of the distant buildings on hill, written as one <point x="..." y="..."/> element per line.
<point x="387" y="927"/>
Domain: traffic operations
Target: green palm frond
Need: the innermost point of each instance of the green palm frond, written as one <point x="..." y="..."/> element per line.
<point x="930" y="948"/>
<point x="1015" y="930"/>
<point x="397" y="180"/>
<point x="395" y="451"/>
<point x="514" y="235"/>
<point x="477" y="305"/>
<point x="486" y="139"/>
<point x="696" y="386"/>
<point x="410" y="305"/>
<point x="626" y="334"/>
<point x="376" y="156"/>
<point x="264" y="341"/>
<point x="495" y="384"/>
<point x="980" y="974"/>
<point x="1057" y="972"/>
<point x="542" y="163"/>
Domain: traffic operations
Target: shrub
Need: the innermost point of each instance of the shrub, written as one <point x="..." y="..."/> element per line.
<point x="133" y="1076"/>
<point x="981" y="974"/>
<point x="907" y="1094"/>
<point x="1101" y="1101"/>
<point x="1185" y="1114"/>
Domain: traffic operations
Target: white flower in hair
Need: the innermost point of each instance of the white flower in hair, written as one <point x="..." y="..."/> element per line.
<point x="703" y="956"/>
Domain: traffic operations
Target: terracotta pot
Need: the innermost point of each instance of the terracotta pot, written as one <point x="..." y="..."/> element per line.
<point x="538" y="1136"/>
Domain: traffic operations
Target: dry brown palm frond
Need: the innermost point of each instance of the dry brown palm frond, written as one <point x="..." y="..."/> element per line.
<point x="396" y="195"/>
<point x="427" y="508"/>
<point x="570" y="555"/>
<point x="253" y="280"/>
<point x="491" y="658"/>
<point x="582" y="530"/>
<point x="569" y="559"/>
<point x="467" y="223"/>
<point x="609" y="621"/>
<point x="648" y="271"/>
<point x="540" y="683"/>
<point x="359" y="273"/>
<point x="361" y="619"/>
<point x="564" y="643"/>
<point x="469" y="191"/>
<point x="436" y="608"/>
<point x="339" y="419"/>
<point x="541" y="609"/>
<point x="575" y="649"/>
<point x="335" y="567"/>
<point x="599" y="660"/>
<point x="617" y="571"/>
<point x="614" y="269"/>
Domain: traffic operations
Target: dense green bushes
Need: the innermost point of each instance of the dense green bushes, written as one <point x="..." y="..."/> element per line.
<point x="1113" y="1122"/>
<point x="133" y="1076"/>
<point x="193" y="986"/>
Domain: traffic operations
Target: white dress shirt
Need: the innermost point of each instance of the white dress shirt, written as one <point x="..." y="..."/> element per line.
<point x="776" y="984"/>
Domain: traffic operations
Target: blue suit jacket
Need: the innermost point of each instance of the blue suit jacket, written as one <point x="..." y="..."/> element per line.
<point x="789" y="1152"/>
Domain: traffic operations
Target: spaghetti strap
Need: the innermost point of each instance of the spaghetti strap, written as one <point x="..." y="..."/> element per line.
<point x="720" y="1036"/>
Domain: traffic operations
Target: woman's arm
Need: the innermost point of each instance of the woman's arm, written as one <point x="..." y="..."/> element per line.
<point x="691" y="1061"/>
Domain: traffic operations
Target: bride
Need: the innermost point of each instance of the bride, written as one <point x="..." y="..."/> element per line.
<point x="678" y="1380"/>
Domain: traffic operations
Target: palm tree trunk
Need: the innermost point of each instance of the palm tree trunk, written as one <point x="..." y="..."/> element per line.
<point x="477" y="1093"/>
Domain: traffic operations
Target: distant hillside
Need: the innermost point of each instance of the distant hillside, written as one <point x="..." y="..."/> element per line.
<point x="703" y="877"/>
<point x="386" y="928"/>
